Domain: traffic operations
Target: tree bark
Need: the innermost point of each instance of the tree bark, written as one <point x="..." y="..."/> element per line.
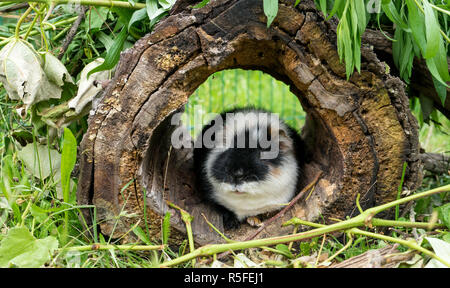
<point x="435" y="163"/>
<point x="359" y="132"/>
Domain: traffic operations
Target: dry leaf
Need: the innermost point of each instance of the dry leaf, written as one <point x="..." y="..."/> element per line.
<point x="22" y="75"/>
<point x="87" y="90"/>
<point x="56" y="71"/>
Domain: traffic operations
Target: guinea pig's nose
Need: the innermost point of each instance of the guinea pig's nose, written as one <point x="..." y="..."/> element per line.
<point x="239" y="173"/>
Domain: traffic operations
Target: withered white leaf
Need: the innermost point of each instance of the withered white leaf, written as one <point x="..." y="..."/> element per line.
<point x="242" y="261"/>
<point x="56" y="71"/>
<point x="86" y="88"/>
<point x="22" y="75"/>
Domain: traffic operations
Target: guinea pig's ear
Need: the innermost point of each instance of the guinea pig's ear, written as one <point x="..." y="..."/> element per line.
<point x="281" y="135"/>
<point x="285" y="140"/>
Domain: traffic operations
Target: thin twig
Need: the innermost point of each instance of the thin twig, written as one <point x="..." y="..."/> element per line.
<point x="72" y="32"/>
<point x="349" y="243"/>
<point x="97" y="246"/>
<point x="15" y="7"/>
<point x="320" y="250"/>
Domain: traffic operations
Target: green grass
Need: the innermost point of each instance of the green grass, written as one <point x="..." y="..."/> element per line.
<point x="434" y="136"/>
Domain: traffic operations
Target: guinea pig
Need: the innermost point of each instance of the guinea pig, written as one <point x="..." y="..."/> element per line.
<point x="247" y="162"/>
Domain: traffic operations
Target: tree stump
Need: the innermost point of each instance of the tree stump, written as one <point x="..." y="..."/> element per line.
<point x="359" y="132"/>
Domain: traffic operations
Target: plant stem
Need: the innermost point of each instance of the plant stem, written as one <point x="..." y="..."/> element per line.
<point x="379" y="222"/>
<point x="349" y="243"/>
<point x="444" y="35"/>
<point x="375" y="222"/>
<point x="34" y="32"/>
<point x="392" y="223"/>
<point x="228" y="240"/>
<point x="22" y="18"/>
<point x="96" y="246"/>
<point x="440" y="9"/>
<point x="359" y="205"/>
<point x="42" y="32"/>
<point x="294" y="232"/>
<point x="103" y="3"/>
<point x="419" y="6"/>
<point x="60" y="34"/>
<point x="378" y="209"/>
<point x="321" y="247"/>
<point x="219" y="248"/>
<point x="31" y="27"/>
<point x="187" y="219"/>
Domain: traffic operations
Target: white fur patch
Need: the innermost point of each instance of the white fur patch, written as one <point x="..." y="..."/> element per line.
<point x="257" y="197"/>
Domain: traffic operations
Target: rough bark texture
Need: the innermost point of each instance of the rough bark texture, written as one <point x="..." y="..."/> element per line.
<point x="359" y="132"/>
<point x="435" y="163"/>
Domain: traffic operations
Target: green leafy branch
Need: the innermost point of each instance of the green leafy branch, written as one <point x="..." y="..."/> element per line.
<point x="418" y="33"/>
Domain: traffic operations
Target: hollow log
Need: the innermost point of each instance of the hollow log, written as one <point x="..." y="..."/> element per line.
<point x="358" y="132"/>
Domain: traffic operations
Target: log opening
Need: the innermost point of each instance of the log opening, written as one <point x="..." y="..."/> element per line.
<point x="168" y="174"/>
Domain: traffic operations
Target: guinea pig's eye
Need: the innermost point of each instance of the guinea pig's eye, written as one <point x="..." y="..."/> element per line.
<point x="265" y="149"/>
<point x="251" y="178"/>
<point x="264" y="154"/>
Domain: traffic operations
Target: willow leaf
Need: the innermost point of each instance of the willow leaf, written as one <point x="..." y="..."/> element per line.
<point x="113" y="54"/>
<point x="270" y="10"/>
<point x="417" y="20"/>
<point x="432" y="31"/>
<point x="391" y="12"/>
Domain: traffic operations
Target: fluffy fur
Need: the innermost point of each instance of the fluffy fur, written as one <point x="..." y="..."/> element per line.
<point x="237" y="180"/>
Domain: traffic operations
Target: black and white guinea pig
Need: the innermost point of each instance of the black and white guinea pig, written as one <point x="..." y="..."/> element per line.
<point x="237" y="178"/>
